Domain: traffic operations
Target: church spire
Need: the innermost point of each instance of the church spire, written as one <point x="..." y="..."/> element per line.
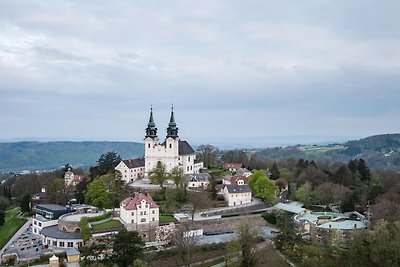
<point x="172" y="130"/>
<point x="151" y="130"/>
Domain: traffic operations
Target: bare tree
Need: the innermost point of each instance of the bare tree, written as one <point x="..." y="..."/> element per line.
<point x="185" y="239"/>
<point x="199" y="201"/>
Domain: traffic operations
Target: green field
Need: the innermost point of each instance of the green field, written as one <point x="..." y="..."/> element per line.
<point x="106" y="225"/>
<point x="166" y="218"/>
<point x="12" y="224"/>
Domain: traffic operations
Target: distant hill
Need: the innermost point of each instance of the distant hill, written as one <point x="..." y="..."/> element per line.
<point x="19" y="156"/>
<point x="380" y="151"/>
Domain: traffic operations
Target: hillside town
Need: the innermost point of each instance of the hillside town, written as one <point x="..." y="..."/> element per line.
<point x="170" y="198"/>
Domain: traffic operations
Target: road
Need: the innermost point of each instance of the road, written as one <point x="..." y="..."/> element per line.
<point x="16" y="235"/>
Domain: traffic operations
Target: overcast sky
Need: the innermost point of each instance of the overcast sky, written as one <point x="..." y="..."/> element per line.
<point x="89" y="70"/>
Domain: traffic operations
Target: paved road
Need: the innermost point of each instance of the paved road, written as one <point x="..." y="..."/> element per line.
<point x="16" y="235"/>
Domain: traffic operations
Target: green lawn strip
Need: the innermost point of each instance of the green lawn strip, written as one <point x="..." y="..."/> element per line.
<point x="166" y="218"/>
<point x="11" y="226"/>
<point x="106" y="225"/>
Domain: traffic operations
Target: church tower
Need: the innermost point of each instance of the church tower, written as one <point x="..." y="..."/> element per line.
<point x="151" y="138"/>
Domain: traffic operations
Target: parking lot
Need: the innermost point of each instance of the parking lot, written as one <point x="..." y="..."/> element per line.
<point x="27" y="245"/>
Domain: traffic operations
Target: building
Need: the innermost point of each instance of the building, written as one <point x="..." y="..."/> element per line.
<point x="237" y="194"/>
<point x="173" y="152"/>
<point x="232" y="166"/>
<point x="131" y="169"/>
<point x="140" y="213"/>
<point x="197" y="180"/>
<point x="71" y="179"/>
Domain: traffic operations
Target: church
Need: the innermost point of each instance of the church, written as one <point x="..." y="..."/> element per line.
<point x="172" y="152"/>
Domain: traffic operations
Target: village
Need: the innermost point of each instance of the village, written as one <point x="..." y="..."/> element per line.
<point x="174" y="194"/>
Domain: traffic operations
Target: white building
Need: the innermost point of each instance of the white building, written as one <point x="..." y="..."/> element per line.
<point x="173" y="152"/>
<point x="197" y="180"/>
<point x="237" y="194"/>
<point x="131" y="169"/>
<point x="140" y="213"/>
<point x="71" y="179"/>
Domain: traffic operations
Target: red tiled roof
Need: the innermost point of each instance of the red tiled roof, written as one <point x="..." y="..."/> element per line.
<point x="233" y="165"/>
<point x="78" y="178"/>
<point x="131" y="203"/>
<point x="235" y="179"/>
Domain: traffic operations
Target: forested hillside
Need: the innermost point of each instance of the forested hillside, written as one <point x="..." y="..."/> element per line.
<point x="20" y="156"/>
<point x="379" y="151"/>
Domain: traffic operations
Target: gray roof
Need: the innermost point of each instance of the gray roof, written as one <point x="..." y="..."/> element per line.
<point x="134" y="163"/>
<point x="185" y="148"/>
<point x="199" y="177"/>
<point x="72" y="251"/>
<point x="54" y="232"/>
<point x="234" y="188"/>
<point x="51" y="207"/>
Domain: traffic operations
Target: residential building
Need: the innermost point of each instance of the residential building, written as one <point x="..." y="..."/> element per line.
<point x="237" y="194"/>
<point x="197" y="180"/>
<point x="131" y="169"/>
<point x="140" y="213"/>
<point x="233" y="166"/>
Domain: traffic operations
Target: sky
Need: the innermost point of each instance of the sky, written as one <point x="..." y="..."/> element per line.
<point x="90" y="70"/>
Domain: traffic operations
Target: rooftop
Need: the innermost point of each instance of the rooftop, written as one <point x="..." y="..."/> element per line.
<point x="234" y="188"/>
<point x="131" y="203"/>
<point x="292" y="207"/>
<point x="54" y="232"/>
<point x="134" y="163"/>
<point x="52" y="207"/>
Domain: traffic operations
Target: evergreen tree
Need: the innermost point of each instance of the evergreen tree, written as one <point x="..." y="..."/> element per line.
<point x="364" y="170"/>
<point x="275" y="174"/>
<point x="2" y="217"/>
<point x="26" y="203"/>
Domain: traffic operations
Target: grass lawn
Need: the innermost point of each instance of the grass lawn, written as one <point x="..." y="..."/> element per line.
<point x="107" y="224"/>
<point x="166" y="218"/>
<point x="11" y="225"/>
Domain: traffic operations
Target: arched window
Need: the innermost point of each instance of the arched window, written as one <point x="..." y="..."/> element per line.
<point x="170" y="145"/>
<point x="149" y="145"/>
<point x="143" y="220"/>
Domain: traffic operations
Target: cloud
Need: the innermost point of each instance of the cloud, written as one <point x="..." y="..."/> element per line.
<point x="94" y="64"/>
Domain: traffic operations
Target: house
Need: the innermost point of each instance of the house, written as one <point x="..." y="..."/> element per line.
<point x="197" y="180"/>
<point x="243" y="172"/>
<point x="73" y="255"/>
<point x="71" y="179"/>
<point x="140" y="213"/>
<point x="235" y="180"/>
<point x="232" y="166"/>
<point x="131" y="169"/>
<point x="237" y="194"/>
<point x="40" y="198"/>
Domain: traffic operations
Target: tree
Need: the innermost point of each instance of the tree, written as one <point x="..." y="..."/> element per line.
<point x="177" y="175"/>
<point x="185" y="240"/>
<point x="343" y="176"/>
<point x="2" y="217"/>
<point x="106" y="191"/>
<point x="287" y="235"/>
<point x="159" y="174"/>
<point x="248" y="239"/>
<point x="207" y="154"/>
<point x="4" y="202"/>
<point x="81" y="190"/>
<point x="329" y="193"/>
<point x="275" y="174"/>
<point x="56" y="190"/>
<point x="233" y="258"/>
<point x="303" y="194"/>
<point x="199" y="201"/>
<point x="140" y="263"/>
<point x="26" y="203"/>
<point x="105" y="164"/>
<point x="262" y="186"/>
<point x="127" y="246"/>
<point x="235" y="156"/>
<point x="364" y="170"/>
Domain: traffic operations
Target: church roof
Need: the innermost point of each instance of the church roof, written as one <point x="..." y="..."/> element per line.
<point x="185" y="148"/>
<point x="134" y="163"/>
<point x="131" y="203"/>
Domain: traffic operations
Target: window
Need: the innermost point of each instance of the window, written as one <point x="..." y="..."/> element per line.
<point x="149" y="145"/>
<point x="40" y="224"/>
<point x="141" y="213"/>
<point x="170" y="145"/>
<point x="133" y="213"/>
<point x="70" y="244"/>
<point x="188" y="158"/>
<point x="144" y="212"/>
<point x="54" y="243"/>
<point x="154" y="212"/>
<point x="61" y="244"/>
<point x="153" y="219"/>
<point x="125" y="170"/>
<point x="34" y="222"/>
<point x="143" y="220"/>
<point x="133" y="221"/>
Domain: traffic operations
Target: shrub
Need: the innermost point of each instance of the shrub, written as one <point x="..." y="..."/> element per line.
<point x="270" y="217"/>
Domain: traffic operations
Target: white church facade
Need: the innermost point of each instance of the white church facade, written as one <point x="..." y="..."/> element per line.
<point x="173" y="152"/>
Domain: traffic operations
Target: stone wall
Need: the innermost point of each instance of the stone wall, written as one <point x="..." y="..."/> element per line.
<point x="227" y="224"/>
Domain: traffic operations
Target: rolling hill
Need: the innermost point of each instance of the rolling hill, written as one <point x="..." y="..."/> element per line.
<point x="19" y="156"/>
<point x="379" y="151"/>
